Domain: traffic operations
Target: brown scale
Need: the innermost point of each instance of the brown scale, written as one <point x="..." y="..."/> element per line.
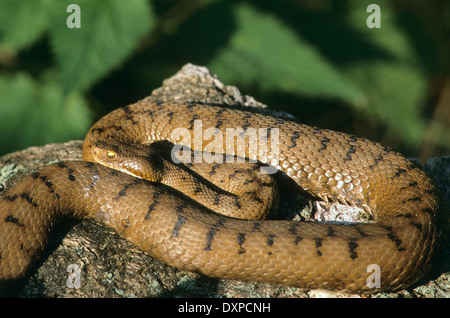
<point x="411" y="217"/>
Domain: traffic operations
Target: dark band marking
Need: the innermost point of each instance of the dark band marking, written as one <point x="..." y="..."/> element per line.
<point x="127" y="109"/>
<point x="237" y="203"/>
<point x="170" y="115"/>
<point x="177" y="227"/>
<point x="69" y="170"/>
<point x="257" y="198"/>
<point x="245" y="126"/>
<point x="71" y="176"/>
<point x="10" y="219"/>
<point x="269" y="134"/>
<point x="294" y="138"/>
<point x="270" y="239"/>
<point x="232" y="175"/>
<point x="240" y="241"/>
<point x="324" y="141"/>
<point x="219" y="124"/>
<point x="149" y="112"/>
<point x="89" y="164"/>
<point x="350" y="152"/>
<point x="318" y="244"/>
<point x="44" y="179"/>
<point x="220" y="112"/>
<point x="212" y="232"/>
<point x="180" y="221"/>
<point x="117" y="127"/>
<point x="198" y="187"/>
<point x="407" y="215"/>
<point x="29" y="199"/>
<point x="213" y="170"/>
<point x="361" y="232"/>
<point x="129" y="114"/>
<point x="24" y="196"/>
<point x="95" y="176"/>
<point x="209" y="238"/>
<point x="414" y="199"/>
<point x="298" y="239"/>
<point x="94" y="179"/>
<point x="99" y="130"/>
<point x="330" y="231"/>
<point x="152" y="206"/>
<point x="216" y="199"/>
<point x="11" y="197"/>
<point x="352" y="245"/>
<point x="181" y="207"/>
<point x="410" y="185"/>
<point x="249" y="181"/>
<point x="125" y="223"/>
<point x="279" y="122"/>
<point x="125" y="188"/>
<point x="399" y="172"/>
<point x="191" y="122"/>
<point x="256" y="227"/>
<point x="190" y="106"/>
<point x="293" y="230"/>
<point x="49" y="185"/>
<point x="377" y="160"/>
<point x="160" y="104"/>
<point x="394" y="238"/>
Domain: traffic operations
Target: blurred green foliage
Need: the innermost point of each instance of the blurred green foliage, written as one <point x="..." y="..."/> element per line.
<point x="315" y="59"/>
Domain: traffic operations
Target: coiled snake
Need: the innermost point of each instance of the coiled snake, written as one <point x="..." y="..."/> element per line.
<point x="411" y="217"/>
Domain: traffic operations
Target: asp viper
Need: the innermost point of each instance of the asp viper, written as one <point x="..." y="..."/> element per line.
<point x="411" y="216"/>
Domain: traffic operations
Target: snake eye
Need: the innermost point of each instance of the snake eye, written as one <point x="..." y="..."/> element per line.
<point x="111" y="154"/>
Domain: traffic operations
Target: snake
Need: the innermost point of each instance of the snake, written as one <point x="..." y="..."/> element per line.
<point x="391" y="253"/>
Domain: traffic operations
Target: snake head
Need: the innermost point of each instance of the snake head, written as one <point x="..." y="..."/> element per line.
<point x="142" y="161"/>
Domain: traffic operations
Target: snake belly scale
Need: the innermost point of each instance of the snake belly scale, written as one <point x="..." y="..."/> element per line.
<point x="411" y="216"/>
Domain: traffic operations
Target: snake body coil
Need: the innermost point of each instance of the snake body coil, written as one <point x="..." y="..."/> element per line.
<point x="411" y="217"/>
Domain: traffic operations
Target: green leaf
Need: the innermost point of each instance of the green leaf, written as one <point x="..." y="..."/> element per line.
<point x="34" y="113"/>
<point x="266" y="52"/>
<point x="396" y="86"/>
<point x="109" y="31"/>
<point x="394" y="94"/>
<point x="22" y="22"/>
